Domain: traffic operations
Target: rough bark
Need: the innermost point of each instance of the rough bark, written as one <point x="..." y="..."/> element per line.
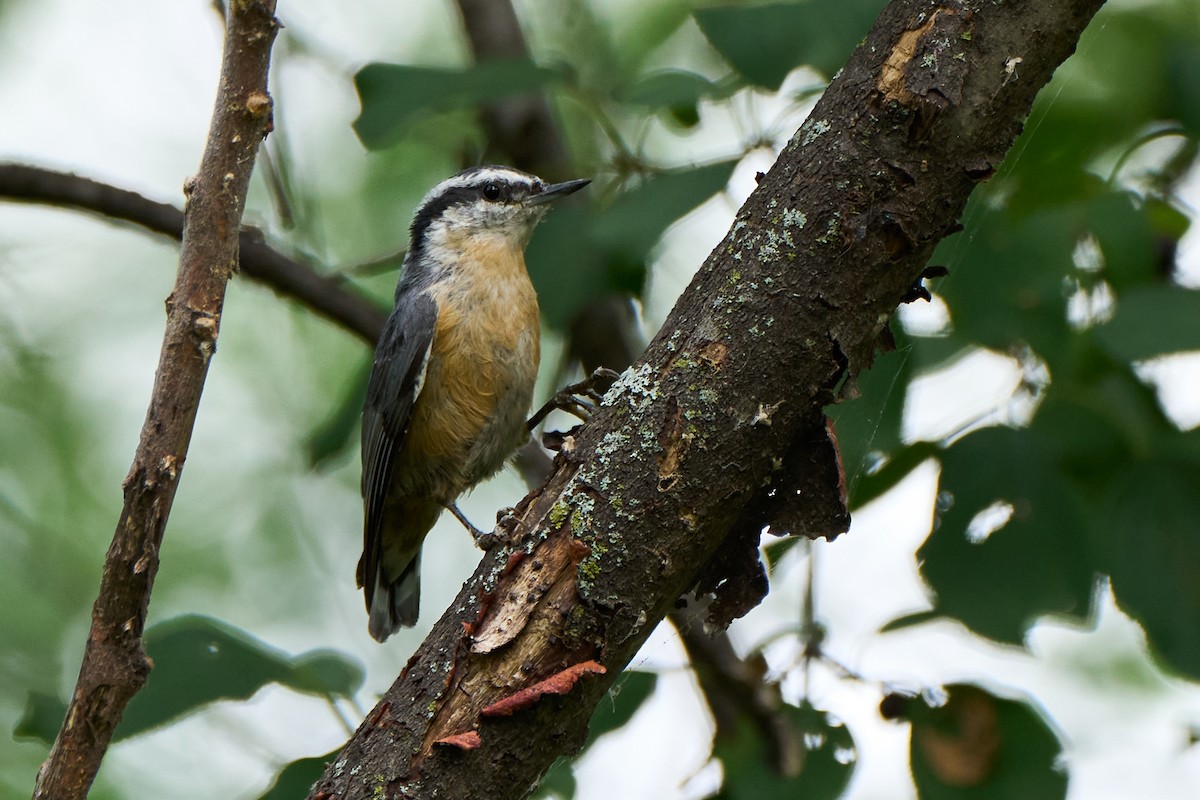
<point x="786" y="310"/>
<point x="603" y="334"/>
<point x="325" y="294"/>
<point x="115" y="665"/>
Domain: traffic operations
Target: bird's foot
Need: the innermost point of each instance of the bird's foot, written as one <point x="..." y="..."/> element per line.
<point x="580" y="399"/>
<point x="484" y="540"/>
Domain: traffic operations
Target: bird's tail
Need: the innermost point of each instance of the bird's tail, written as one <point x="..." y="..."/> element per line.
<point x="395" y="604"/>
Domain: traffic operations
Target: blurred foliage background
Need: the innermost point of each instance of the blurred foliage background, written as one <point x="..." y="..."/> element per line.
<point x="1015" y="612"/>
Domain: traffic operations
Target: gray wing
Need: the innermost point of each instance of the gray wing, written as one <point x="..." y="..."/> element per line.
<point x="396" y="378"/>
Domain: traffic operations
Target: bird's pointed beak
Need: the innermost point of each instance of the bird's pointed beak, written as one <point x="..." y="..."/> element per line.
<point x="556" y="190"/>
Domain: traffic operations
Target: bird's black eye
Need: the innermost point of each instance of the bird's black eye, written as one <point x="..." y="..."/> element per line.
<point x="491" y="192"/>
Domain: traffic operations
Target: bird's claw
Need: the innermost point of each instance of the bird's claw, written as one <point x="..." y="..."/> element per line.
<point x="580" y="399"/>
<point x="484" y="540"/>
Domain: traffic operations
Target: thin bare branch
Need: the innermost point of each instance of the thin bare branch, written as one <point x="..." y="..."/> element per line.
<point x="115" y="665"/>
<point x="327" y="295"/>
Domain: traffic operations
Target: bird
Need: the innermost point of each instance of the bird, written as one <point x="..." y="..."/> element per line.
<point x="453" y="374"/>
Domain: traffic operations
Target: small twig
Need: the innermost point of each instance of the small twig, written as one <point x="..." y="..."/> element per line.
<point x="115" y="665"/>
<point x="374" y="266"/>
<point x="274" y="177"/>
<point x="327" y="295"/>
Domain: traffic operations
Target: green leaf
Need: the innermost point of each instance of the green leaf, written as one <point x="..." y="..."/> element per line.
<point x="1011" y="276"/>
<point x="559" y="781"/>
<point x="774" y="552"/>
<point x="675" y="92"/>
<point x="910" y="621"/>
<point x="567" y="269"/>
<point x="1126" y="238"/>
<point x="981" y="747"/>
<point x="637" y="218"/>
<point x="621" y="703"/>
<point x="1149" y="516"/>
<point x="577" y="256"/>
<point x="766" y="42"/>
<point x="199" y="660"/>
<point x="873" y="484"/>
<point x="1166" y="220"/>
<point x="1152" y="321"/>
<point x="1073" y="121"/>
<point x="335" y="435"/>
<point x="868" y="427"/>
<point x="43" y="716"/>
<point x="394" y="95"/>
<point x="829" y="758"/>
<point x="614" y="711"/>
<point x="1183" y="83"/>
<point x="1038" y="563"/>
<point x="670" y="88"/>
<point x="1006" y="285"/>
<point x="326" y="673"/>
<point x="297" y="778"/>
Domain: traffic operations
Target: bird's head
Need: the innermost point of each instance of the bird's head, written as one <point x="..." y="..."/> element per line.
<point x="485" y="202"/>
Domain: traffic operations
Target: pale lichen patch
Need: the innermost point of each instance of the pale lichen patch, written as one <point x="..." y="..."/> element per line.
<point x="817" y="129"/>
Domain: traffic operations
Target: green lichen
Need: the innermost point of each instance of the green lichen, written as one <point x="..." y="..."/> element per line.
<point x="589" y="569"/>
<point x="558" y="514"/>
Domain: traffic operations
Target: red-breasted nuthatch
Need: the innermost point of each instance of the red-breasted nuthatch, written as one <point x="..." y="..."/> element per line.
<point x="453" y="376"/>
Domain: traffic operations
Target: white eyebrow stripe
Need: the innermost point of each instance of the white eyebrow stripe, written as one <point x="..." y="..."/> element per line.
<point x="475" y="177"/>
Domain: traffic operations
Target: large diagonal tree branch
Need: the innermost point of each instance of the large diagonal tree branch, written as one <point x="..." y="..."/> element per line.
<point x="115" y="665"/>
<point x="603" y="334"/>
<point x="327" y="295"/>
<point x="789" y="306"/>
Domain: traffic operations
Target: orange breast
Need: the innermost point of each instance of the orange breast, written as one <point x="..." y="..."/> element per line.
<point x="482" y="367"/>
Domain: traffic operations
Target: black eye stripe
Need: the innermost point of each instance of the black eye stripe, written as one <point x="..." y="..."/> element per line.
<point x="461" y="195"/>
